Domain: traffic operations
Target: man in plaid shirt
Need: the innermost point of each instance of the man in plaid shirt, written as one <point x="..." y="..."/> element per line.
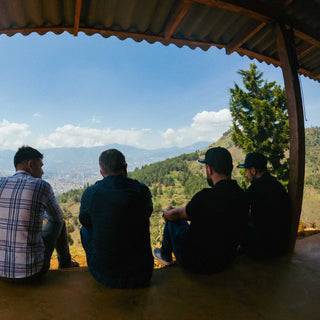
<point x="25" y="199"/>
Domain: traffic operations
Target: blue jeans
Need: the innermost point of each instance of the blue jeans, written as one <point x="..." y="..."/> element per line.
<point x="55" y="236"/>
<point x="120" y="283"/>
<point x="174" y="234"/>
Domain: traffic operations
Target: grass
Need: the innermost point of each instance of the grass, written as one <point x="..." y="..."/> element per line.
<point x="310" y="215"/>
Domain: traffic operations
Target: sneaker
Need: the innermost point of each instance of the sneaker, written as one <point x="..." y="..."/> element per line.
<point x="157" y="255"/>
<point x="69" y="264"/>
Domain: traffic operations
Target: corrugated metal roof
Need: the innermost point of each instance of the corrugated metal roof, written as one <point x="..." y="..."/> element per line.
<point x="244" y="26"/>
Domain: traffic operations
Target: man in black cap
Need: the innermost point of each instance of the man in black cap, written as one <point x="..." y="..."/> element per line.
<point x="269" y="221"/>
<point x="218" y="218"/>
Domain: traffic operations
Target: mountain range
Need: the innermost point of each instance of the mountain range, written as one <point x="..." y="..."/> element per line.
<point x="84" y="161"/>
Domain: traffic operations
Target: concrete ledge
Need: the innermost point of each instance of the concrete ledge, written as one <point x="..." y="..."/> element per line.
<point x="287" y="288"/>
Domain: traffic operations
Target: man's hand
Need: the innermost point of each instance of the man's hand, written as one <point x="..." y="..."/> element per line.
<point x="166" y="211"/>
<point x="174" y="214"/>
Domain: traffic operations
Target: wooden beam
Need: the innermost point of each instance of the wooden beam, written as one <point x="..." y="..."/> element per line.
<point x="265" y="13"/>
<point x="247" y="33"/>
<point x="308" y="73"/>
<point x="122" y="34"/>
<point x="305" y="49"/>
<point x="316" y="72"/>
<point x="275" y="62"/>
<point x="37" y="30"/>
<point x="250" y="8"/>
<point x="77" y="13"/>
<point x="250" y="30"/>
<point x="258" y="56"/>
<point x="176" y="18"/>
<point x="308" y="38"/>
<point x="289" y="65"/>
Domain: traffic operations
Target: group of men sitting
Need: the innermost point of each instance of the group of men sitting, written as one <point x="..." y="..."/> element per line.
<point x="205" y="236"/>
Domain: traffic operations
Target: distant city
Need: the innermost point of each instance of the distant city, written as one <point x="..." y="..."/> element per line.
<point x="61" y="184"/>
<point x="73" y="168"/>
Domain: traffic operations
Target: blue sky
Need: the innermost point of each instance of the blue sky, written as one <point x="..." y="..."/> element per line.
<point x="65" y="91"/>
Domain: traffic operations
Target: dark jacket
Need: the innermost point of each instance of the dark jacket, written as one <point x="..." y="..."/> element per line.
<point x="218" y="218"/>
<point x="116" y="211"/>
<point x="270" y="217"/>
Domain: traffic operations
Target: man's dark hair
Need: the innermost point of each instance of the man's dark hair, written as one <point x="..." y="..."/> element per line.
<point x="223" y="169"/>
<point x="26" y="153"/>
<point x="112" y="161"/>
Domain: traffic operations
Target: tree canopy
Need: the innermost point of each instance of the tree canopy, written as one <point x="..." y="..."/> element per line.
<point x="260" y="119"/>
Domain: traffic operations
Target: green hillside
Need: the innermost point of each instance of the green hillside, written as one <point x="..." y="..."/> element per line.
<point x="174" y="181"/>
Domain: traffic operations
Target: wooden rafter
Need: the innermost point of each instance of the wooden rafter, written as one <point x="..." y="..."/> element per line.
<point x="316" y="72"/>
<point x="306" y="50"/>
<point x="263" y="13"/>
<point x="247" y="33"/>
<point x="77" y="17"/>
<point x="122" y="34"/>
<point x="250" y="30"/>
<point x="275" y="62"/>
<point x="177" y="16"/>
<point x="308" y="73"/>
<point x="304" y="36"/>
<point x="39" y="30"/>
<point x="250" y="8"/>
<point x="258" y="56"/>
<point x="246" y="52"/>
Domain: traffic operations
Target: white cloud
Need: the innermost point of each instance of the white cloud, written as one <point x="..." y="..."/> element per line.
<point x="75" y="136"/>
<point x="13" y="135"/>
<point x="206" y="126"/>
<point x="36" y="115"/>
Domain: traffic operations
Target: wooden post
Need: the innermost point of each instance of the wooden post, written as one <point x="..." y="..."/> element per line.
<point x="289" y="65"/>
<point x="77" y="18"/>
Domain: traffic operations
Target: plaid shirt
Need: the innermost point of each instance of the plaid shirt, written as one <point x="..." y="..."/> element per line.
<point x="24" y="201"/>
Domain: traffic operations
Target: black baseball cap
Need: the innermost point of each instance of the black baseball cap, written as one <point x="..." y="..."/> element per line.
<point x="218" y="158"/>
<point x="254" y="160"/>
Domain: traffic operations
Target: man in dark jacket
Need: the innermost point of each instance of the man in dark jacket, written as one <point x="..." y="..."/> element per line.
<point x="115" y="214"/>
<point x="217" y="215"/>
<point x="269" y="224"/>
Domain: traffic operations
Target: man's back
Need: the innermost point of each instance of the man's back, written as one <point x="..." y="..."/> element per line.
<point x="218" y="218"/>
<point x="117" y="210"/>
<point x="22" y="204"/>
<point x="26" y="248"/>
<point x="270" y="213"/>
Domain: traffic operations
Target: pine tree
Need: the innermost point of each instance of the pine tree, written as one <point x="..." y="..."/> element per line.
<point x="260" y="120"/>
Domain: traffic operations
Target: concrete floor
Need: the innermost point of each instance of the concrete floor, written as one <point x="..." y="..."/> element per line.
<point x="288" y="288"/>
